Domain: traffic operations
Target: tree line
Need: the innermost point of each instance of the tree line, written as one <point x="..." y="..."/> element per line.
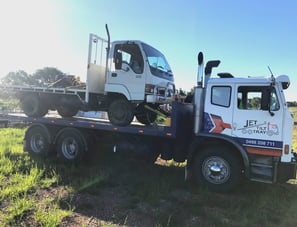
<point x="45" y="77"/>
<point x="292" y="104"/>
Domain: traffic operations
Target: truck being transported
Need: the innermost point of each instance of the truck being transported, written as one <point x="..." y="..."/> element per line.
<point x="233" y="128"/>
<point x="123" y="77"/>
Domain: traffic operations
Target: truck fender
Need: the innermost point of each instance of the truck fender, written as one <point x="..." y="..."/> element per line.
<point x="118" y="88"/>
<point x="43" y="127"/>
<point x="207" y="139"/>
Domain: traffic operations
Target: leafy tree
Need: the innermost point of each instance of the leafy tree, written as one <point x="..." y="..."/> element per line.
<point x="292" y="104"/>
<point x="255" y="103"/>
<point x="47" y="75"/>
<point x="17" y="78"/>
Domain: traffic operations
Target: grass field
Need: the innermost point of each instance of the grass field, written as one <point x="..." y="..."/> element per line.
<point x="294" y="113"/>
<point x="119" y="190"/>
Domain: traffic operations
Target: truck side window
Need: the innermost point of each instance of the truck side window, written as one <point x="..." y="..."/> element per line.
<point x="131" y="55"/>
<point x="221" y="95"/>
<point x="252" y="98"/>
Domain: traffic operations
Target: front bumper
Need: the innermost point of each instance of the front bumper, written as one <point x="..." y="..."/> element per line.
<point x="158" y="99"/>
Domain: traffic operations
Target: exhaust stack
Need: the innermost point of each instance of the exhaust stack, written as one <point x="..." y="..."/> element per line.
<point x="208" y="69"/>
<point x="199" y="91"/>
<point x="200" y="70"/>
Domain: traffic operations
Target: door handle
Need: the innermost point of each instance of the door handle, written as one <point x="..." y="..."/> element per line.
<point x="114" y="75"/>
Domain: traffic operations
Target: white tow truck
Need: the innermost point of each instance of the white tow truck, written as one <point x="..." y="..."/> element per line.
<point x="123" y="77"/>
<point x="233" y="128"/>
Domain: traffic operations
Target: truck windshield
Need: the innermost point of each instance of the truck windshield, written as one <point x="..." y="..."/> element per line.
<point x="157" y="62"/>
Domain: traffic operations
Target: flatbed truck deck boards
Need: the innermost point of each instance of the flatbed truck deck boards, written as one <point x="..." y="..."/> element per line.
<point x="54" y="90"/>
<point x="179" y="123"/>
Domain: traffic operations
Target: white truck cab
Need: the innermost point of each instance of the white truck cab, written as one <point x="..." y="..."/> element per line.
<point x="141" y="70"/>
<point x="242" y="119"/>
<point x="134" y="73"/>
<point x="253" y="111"/>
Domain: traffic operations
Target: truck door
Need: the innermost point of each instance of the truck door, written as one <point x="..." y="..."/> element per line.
<point x="218" y="109"/>
<point x="127" y="72"/>
<point x="256" y="122"/>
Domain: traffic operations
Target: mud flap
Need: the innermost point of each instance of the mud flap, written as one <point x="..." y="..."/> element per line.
<point x="286" y="171"/>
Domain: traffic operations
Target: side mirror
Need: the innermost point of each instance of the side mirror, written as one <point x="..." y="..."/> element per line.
<point x="118" y="60"/>
<point x="266" y="101"/>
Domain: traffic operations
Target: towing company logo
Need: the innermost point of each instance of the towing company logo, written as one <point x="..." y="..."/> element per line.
<point x="253" y="127"/>
<point x="214" y="123"/>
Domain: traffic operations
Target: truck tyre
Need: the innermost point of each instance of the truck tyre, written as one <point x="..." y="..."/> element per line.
<point x="120" y="112"/>
<point x="67" y="111"/>
<point x="71" y="145"/>
<point x="38" y="141"/>
<point x="145" y="116"/>
<point x="217" y="168"/>
<point x="33" y="107"/>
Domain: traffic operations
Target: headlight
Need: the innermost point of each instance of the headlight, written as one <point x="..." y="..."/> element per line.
<point x="149" y="88"/>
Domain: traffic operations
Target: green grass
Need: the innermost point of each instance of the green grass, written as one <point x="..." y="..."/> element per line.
<point x="294" y="142"/>
<point x="21" y="181"/>
<point x="293" y="110"/>
<point x="120" y="190"/>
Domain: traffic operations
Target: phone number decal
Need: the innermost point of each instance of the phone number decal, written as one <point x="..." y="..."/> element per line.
<point x="261" y="143"/>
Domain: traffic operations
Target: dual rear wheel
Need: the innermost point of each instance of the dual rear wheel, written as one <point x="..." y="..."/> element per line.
<point x="34" y="106"/>
<point x="70" y="144"/>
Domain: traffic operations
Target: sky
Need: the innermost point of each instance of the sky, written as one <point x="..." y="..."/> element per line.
<point x="246" y="35"/>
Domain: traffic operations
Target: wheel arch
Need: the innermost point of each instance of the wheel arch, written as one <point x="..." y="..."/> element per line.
<point x="118" y="89"/>
<point x="113" y="95"/>
<point x="43" y="127"/>
<point x="205" y="140"/>
<point x="31" y="143"/>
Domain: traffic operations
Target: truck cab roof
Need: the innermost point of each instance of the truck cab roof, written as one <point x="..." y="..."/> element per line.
<point x="283" y="79"/>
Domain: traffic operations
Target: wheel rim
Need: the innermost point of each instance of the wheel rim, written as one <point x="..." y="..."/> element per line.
<point x="119" y="115"/>
<point x="216" y="170"/>
<point x="29" y="108"/>
<point x="69" y="148"/>
<point x="121" y="112"/>
<point x="37" y="143"/>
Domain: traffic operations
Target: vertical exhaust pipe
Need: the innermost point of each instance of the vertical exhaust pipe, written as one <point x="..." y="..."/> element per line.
<point x="199" y="91"/>
<point x="200" y="70"/>
<point x="199" y="96"/>
<point x="208" y="69"/>
<point x="108" y="39"/>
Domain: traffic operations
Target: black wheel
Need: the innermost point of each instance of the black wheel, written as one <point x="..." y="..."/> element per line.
<point x="217" y="168"/>
<point x="33" y="106"/>
<point x="120" y="112"/>
<point x="67" y="111"/>
<point x="71" y="145"/>
<point x="38" y="141"/>
<point x="144" y="115"/>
